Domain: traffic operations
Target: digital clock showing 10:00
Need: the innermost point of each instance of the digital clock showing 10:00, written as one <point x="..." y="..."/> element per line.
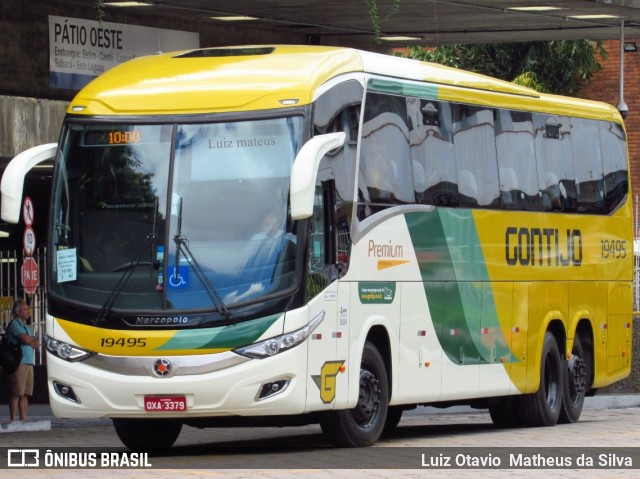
<point x="120" y="137"/>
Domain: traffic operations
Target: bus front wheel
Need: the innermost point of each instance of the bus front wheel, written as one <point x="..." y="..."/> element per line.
<point x="147" y="433"/>
<point x="542" y="408"/>
<point x="362" y="425"/>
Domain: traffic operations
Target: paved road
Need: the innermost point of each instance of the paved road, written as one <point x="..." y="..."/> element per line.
<point x="303" y="452"/>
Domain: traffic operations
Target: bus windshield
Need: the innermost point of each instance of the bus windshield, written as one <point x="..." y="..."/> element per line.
<point x="179" y="217"/>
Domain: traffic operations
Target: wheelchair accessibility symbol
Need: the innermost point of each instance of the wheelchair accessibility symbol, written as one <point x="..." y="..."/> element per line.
<point x="179" y="277"/>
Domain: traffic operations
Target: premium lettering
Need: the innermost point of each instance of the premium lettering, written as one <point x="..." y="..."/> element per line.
<point x="390" y="250"/>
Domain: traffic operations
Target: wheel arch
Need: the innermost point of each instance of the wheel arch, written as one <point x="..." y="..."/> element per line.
<point x="557" y="328"/>
<point x="584" y="330"/>
<point x="379" y="337"/>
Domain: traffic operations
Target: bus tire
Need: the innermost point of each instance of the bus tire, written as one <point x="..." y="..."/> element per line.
<point x="577" y="373"/>
<point x="147" y="433"/>
<point x="394" y="414"/>
<point x="362" y="425"/>
<point x="542" y="408"/>
<point x="505" y="413"/>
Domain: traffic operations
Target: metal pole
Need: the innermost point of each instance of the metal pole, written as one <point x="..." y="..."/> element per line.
<point x="636" y="263"/>
<point x="622" y="106"/>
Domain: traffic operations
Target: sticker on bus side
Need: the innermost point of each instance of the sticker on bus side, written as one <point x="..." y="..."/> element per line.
<point x="376" y="292"/>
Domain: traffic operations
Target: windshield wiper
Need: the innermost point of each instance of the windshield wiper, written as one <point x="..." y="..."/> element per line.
<point x="129" y="268"/>
<point x="182" y="247"/>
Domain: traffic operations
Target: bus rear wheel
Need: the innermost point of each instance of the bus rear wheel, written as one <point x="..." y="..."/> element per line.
<point x="577" y="373"/>
<point x="542" y="408"/>
<point x="147" y="433"/>
<point x="362" y="425"/>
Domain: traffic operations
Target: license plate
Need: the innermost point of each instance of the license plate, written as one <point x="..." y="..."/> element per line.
<point x="165" y="403"/>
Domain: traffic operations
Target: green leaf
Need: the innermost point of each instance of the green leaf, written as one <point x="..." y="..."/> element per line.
<point x="560" y="66"/>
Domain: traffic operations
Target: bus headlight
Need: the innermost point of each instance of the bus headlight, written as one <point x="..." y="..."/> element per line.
<point x="273" y="346"/>
<point x="66" y="351"/>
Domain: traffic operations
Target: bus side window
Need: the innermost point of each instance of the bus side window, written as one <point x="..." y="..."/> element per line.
<point x="385" y="177"/>
<point x="432" y="155"/>
<point x="475" y="150"/>
<point x="322" y="268"/>
<point x="556" y="178"/>
<point x="614" y="160"/>
<point x="338" y="167"/>
<point x="338" y="110"/>
<point x="517" y="161"/>
<point x="585" y="142"/>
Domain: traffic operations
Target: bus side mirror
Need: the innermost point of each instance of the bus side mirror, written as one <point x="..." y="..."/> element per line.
<point x="305" y="171"/>
<point x="12" y="182"/>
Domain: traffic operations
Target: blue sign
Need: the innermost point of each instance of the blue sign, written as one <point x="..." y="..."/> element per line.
<point x="178" y="277"/>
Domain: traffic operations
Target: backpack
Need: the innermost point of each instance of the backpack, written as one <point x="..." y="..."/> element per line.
<point x="10" y="353"/>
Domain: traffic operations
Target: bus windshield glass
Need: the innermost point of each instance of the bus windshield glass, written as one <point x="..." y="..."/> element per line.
<point x="179" y="217"/>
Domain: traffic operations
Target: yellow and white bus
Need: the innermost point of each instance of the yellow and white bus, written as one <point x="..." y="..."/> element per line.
<point x="297" y="234"/>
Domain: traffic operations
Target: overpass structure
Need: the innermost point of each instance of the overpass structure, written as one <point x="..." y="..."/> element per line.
<point x="424" y="22"/>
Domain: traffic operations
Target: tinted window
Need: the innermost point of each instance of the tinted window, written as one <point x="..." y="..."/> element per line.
<point x="435" y="177"/>
<point x="614" y="161"/>
<point x="585" y="143"/>
<point x="515" y="147"/>
<point x="475" y="151"/>
<point x="386" y="176"/>
<point x="460" y="155"/>
<point x="556" y="179"/>
<point x="338" y="110"/>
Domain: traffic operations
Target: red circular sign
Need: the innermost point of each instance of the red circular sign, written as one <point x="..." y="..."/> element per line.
<point x="27" y="211"/>
<point x="30" y="275"/>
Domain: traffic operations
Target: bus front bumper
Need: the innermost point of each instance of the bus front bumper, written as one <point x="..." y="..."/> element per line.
<point x="224" y="384"/>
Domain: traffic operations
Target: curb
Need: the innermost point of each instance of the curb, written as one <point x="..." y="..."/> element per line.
<point x="23" y="426"/>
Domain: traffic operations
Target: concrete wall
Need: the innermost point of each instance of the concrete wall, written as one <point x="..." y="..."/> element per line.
<point x="27" y="122"/>
<point x="29" y="119"/>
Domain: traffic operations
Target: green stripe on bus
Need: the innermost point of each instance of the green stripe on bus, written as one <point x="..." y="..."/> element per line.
<point x="224" y="337"/>
<point x="457" y="286"/>
<point x="404" y="89"/>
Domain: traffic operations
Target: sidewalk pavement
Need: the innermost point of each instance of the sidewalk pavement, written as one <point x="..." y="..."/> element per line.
<point x="42" y="419"/>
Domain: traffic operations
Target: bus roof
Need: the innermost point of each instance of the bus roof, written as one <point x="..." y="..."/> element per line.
<point x="244" y="78"/>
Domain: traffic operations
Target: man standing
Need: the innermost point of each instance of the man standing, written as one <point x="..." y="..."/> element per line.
<point x="21" y="381"/>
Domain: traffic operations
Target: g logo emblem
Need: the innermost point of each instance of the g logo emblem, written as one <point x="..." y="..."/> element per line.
<point x="326" y="381"/>
<point x="162" y="367"/>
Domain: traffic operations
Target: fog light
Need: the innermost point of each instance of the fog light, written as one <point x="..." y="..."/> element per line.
<point x="65" y="391"/>
<point x="272" y="388"/>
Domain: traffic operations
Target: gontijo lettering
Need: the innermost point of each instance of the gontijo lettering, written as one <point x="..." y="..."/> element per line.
<point x="543" y="247"/>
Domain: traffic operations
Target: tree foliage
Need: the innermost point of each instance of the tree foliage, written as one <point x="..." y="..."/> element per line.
<point x="559" y="66"/>
<point x="372" y="8"/>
